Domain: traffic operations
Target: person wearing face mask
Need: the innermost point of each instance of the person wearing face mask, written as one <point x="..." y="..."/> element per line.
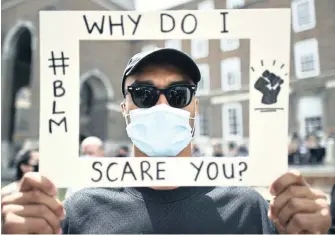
<point x="159" y="108"/>
<point x="27" y="161"/>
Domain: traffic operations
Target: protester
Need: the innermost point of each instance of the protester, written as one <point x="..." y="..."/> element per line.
<point x="243" y="151"/>
<point x="232" y="149"/>
<point x="123" y="152"/>
<point x="27" y="161"/>
<point x="196" y="151"/>
<point x="92" y="147"/>
<point x="154" y="118"/>
<point x="218" y="152"/>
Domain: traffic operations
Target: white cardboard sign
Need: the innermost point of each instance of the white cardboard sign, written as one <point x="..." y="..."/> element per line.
<point x="60" y="32"/>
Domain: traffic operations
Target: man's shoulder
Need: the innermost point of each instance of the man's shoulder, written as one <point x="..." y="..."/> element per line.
<point x="80" y="194"/>
<point x="240" y="200"/>
<point x="242" y="194"/>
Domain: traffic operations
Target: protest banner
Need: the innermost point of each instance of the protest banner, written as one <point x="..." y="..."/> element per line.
<point x="60" y="33"/>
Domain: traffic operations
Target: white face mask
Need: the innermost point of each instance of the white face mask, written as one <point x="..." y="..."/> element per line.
<point x="160" y="131"/>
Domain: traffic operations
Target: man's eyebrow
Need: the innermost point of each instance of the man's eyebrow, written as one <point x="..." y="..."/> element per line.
<point x="147" y="82"/>
<point x="179" y="83"/>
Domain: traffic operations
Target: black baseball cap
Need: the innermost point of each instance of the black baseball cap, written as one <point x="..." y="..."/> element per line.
<point x="162" y="55"/>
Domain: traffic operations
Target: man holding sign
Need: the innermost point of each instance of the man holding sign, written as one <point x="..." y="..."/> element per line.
<point x="159" y="109"/>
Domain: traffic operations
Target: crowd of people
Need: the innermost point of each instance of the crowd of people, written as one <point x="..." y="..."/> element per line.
<point x="308" y="151"/>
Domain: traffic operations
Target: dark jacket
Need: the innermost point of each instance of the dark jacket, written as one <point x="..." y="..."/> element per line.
<point x="332" y="210"/>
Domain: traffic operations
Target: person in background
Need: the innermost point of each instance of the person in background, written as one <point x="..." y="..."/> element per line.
<point x="27" y="162"/>
<point x="293" y="149"/>
<point x="92" y="147"/>
<point x="243" y="151"/>
<point x="196" y="151"/>
<point x="218" y="152"/>
<point x="123" y="152"/>
<point x="232" y="150"/>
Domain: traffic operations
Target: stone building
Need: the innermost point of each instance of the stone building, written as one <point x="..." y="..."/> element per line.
<point x="100" y="82"/>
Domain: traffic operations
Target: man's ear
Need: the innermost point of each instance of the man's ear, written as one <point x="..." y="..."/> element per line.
<point x="196" y="105"/>
<point x="123" y="107"/>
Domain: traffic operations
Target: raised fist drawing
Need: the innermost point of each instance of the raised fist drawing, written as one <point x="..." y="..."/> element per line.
<point x="269" y="85"/>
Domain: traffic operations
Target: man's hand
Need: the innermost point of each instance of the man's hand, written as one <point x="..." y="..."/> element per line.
<point x="35" y="209"/>
<point x="297" y="208"/>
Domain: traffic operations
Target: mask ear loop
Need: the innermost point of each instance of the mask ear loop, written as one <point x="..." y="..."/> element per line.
<point x="194" y="119"/>
<point x="125" y="115"/>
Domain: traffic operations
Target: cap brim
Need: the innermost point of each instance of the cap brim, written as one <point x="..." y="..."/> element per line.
<point x="169" y="56"/>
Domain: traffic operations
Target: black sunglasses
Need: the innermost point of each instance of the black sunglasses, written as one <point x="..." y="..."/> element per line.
<point x="146" y="96"/>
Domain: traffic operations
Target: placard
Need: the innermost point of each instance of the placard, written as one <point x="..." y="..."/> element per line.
<point x="60" y="32"/>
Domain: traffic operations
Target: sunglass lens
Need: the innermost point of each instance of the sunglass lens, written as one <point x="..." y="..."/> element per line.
<point x="144" y="96"/>
<point x="179" y="96"/>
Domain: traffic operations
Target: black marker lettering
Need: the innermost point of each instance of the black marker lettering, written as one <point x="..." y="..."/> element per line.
<point x="145" y="169"/>
<point x="58" y="85"/>
<point x="183" y="24"/>
<point x="107" y="172"/>
<point x="162" y="24"/>
<point x="198" y="169"/>
<point x="231" y="176"/>
<point x="216" y="170"/>
<point x="57" y="123"/>
<point x="54" y="109"/>
<point x="94" y="168"/>
<point x="224" y="20"/>
<point x="95" y="25"/>
<point x="159" y="170"/>
<point x="135" y="22"/>
<point x="111" y="25"/>
<point x="128" y="170"/>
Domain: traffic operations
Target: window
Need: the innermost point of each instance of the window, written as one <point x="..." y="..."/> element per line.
<point x="174" y="43"/>
<point x="232" y="121"/>
<point x="303" y="15"/>
<point x="306" y="59"/>
<point x="307" y="63"/>
<point x="203" y="85"/>
<point x="313" y="125"/>
<point x="229" y="44"/>
<point x="148" y="47"/>
<point x="206" y="5"/>
<point x="231" y="4"/>
<point x="199" y="48"/>
<point x="231" y="74"/>
<point x="310" y="119"/>
<point x="201" y="124"/>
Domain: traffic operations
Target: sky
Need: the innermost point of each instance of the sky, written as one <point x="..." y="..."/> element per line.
<point x="146" y="5"/>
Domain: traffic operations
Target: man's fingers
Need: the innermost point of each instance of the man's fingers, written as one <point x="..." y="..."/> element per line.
<point x="309" y="223"/>
<point x="35" y="197"/>
<point x="33" y="180"/>
<point x="297" y="205"/>
<point x="293" y="191"/>
<point x="35" y="211"/>
<point x="286" y="180"/>
<point x="14" y="224"/>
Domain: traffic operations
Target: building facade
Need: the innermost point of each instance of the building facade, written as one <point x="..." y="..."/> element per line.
<point x="223" y="92"/>
<point x="100" y="82"/>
